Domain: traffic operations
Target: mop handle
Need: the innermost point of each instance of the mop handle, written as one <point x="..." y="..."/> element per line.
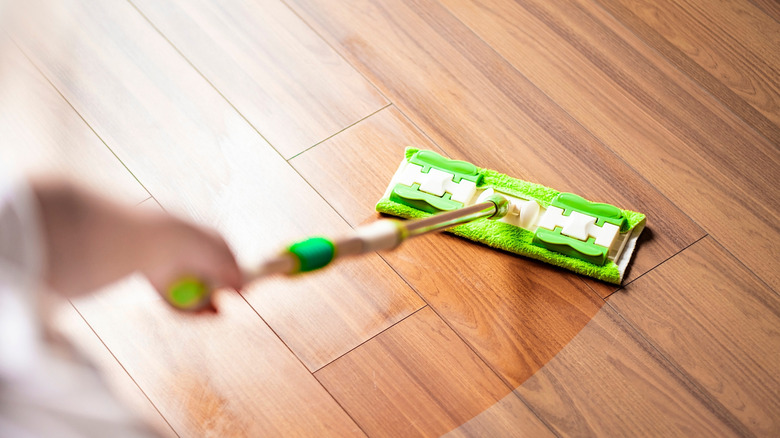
<point x="191" y="293"/>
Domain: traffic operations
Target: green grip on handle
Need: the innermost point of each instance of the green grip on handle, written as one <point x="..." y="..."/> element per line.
<point x="187" y="293"/>
<point x="313" y="253"/>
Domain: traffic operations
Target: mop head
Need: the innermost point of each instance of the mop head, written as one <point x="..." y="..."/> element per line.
<point x="562" y="229"/>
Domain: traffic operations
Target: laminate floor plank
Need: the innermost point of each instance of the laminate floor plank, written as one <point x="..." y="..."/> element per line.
<point x="69" y="323"/>
<point x="477" y="107"/>
<point x="717" y="323"/>
<point x="677" y="135"/>
<point x="609" y="381"/>
<point x="279" y="74"/>
<point x="199" y="158"/>
<point x="516" y="313"/>
<point x="41" y="134"/>
<point x="213" y="375"/>
<point x="729" y="47"/>
<point x="418" y="379"/>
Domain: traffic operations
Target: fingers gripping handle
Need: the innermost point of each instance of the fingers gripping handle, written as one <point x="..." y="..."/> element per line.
<point x="188" y="293"/>
<point x="191" y="293"/>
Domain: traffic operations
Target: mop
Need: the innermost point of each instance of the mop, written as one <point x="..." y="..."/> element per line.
<point x="440" y="194"/>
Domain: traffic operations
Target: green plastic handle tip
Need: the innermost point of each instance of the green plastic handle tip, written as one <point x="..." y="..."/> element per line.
<point x="313" y="253"/>
<point x="187" y="293"/>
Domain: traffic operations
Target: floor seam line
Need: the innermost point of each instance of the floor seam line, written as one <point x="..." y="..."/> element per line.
<point x="369" y="339"/>
<point x="142" y="201"/>
<point x="325" y="40"/>
<point x="505" y="382"/>
<point x="80" y="116"/>
<point x="123" y="368"/>
<point x="203" y="76"/>
<point x="353" y="124"/>
<point x="300" y="361"/>
<point x="622" y="287"/>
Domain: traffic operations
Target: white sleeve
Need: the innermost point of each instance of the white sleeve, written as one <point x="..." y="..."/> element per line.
<point x="42" y="393"/>
<point x="21" y="244"/>
<point x="21" y="267"/>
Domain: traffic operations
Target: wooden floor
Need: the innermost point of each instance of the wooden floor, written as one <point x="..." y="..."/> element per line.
<point x="271" y="120"/>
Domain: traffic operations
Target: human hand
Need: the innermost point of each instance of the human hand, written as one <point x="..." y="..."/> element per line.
<point x="91" y="241"/>
<point x="185" y="251"/>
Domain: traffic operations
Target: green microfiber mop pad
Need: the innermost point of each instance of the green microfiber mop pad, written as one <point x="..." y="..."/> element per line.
<point x="515" y="239"/>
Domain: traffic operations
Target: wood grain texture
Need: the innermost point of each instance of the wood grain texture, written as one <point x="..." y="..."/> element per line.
<point x="417" y="379"/>
<point x="729" y="47"/>
<point x="516" y="313"/>
<point x="199" y="158"/>
<point x="675" y="134"/>
<point x="213" y="375"/>
<point x="477" y="107"/>
<point x="770" y="7"/>
<point x="69" y="323"/>
<point x="558" y="93"/>
<point x="610" y="382"/>
<point x="278" y="73"/>
<point x="41" y="134"/>
<point x="507" y="418"/>
<point x="717" y="323"/>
